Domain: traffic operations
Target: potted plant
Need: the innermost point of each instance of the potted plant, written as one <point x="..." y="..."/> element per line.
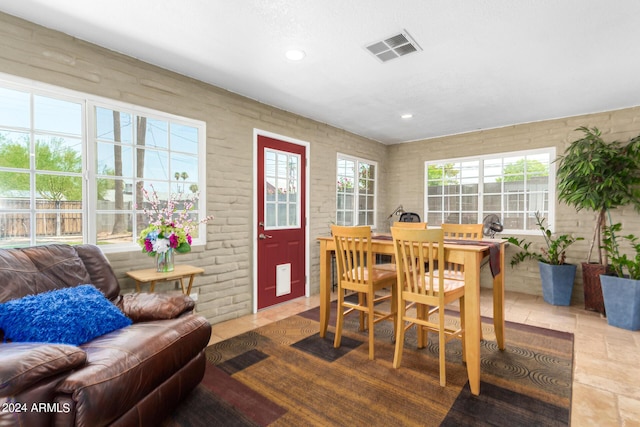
<point x="557" y="276"/>
<point x="621" y="289"/>
<point x="598" y="176"/>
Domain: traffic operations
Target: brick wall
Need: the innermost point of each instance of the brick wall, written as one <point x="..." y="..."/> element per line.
<point x="225" y="289"/>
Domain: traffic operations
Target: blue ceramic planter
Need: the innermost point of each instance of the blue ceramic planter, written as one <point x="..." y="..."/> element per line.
<point x="621" y="301"/>
<point x="557" y="282"/>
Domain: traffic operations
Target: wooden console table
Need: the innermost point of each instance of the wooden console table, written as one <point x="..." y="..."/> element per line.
<point x="179" y="273"/>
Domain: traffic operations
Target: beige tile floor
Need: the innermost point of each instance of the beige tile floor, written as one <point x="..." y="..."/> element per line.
<point x="606" y="369"/>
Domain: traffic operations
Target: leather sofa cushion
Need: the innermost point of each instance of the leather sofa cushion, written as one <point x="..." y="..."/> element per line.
<point x="102" y="275"/>
<point x="39" y="269"/>
<point x="144" y="307"/>
<point x="25" y="364"/>
<point x="126" y="365"/>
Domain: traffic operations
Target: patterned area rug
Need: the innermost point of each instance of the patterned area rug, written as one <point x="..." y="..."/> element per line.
<point x="284" y="374"/>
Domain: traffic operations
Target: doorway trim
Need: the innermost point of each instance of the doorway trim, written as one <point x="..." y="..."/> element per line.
<point x="254" y="227"/>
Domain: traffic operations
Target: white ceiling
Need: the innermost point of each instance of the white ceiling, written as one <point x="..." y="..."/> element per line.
<point x="484" y="63"/>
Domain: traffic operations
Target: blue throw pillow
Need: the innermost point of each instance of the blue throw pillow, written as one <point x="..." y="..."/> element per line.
<point x="67" y="316"/>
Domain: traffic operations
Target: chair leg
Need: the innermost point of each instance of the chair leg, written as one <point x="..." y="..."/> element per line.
<point x="394" y="310"/>
<point x="362" y="313"/>
<point x="422" y="312"/>
<point x="464" y="353"/>
<point x="370" y="318"/>
<point x="442" y="352"/>
<point x="339" y="318"/>
<point x="397" y="355"/>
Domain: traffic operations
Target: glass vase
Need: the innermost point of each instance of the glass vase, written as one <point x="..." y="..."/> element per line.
<point x="164" y="261"/>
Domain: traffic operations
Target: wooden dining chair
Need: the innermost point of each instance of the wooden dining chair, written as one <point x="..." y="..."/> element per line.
<point x="357" y="273"/>
<point x="414" y="250"/>
<point x="391" y="266"/>
<point x="460" y="232"/>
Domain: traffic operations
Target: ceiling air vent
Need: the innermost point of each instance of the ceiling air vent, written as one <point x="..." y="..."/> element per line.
<point x="394" y="47"/>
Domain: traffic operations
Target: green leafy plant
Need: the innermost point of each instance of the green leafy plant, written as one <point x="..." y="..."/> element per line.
<point x="553" y="253"/>
<point x="599" y="176"/>
<point x="622" y="264"/>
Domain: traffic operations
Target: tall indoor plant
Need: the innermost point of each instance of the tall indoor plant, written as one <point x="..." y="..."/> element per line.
<point x="621" y="288"/>
<point x="556" y="276"/>
<point x="598" y="176"/>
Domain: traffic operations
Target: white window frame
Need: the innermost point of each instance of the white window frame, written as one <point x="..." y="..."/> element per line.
<point x="89" y="103"/>
<point x="356" y="194"/>
<point x="550" y="216"/>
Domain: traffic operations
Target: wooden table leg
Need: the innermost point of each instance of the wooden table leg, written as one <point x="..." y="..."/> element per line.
<point x="190" y="284"/>
<point x="182" y="285"/>
<point x="325" y="284"/>
<point x="137" y="286"/>
<point x="152" y="286"/>
<point x="498" y="302"/>
<point x="472" y="318"/>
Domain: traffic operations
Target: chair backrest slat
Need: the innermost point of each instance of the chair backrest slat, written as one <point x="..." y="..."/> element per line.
<point x="462" y="231"/>
<point x="418" y="225"/>
<point x="353" y="252"/>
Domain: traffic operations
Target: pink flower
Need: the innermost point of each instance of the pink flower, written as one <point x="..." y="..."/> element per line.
<point x="173" y="240"/>
<point x="189" y="239"/>
<point x="148" y="246"/>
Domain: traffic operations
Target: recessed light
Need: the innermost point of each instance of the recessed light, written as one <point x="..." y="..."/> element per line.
<point x="295" y="55"/>
<point x="407" y="116"/>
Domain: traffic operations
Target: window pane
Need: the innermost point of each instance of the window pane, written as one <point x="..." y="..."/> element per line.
<point x="114" y="160"/>
<point x="434" y="219"/>
<point x="15" y="229"/>
<point x="14" y="150"/>
<point x="184" y="138"/>
<point x="154" y="164"/>
<point x="114" y="126"/>
<point x="58" y="189"/>
<point x="115" y="194"/>
<point x="114" y="228"/>
<point x="54" y="153"/>
<point x="184" y="169"/>
<point x="14" y="190"/>
<point x="62" y="226"/>
<point x="14" y="108"/>
<point x="56" y="115"/>
<point x="156" y="132"/>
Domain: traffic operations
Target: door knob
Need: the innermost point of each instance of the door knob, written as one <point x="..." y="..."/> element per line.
<point x="264" y="236"/>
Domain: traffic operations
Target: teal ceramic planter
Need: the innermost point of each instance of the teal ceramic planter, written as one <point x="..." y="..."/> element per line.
<point x="621" y="301"/>
<point x="557" y="282"/>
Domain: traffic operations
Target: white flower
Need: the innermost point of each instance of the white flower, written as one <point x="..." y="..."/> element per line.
<point x="161" y="246"/>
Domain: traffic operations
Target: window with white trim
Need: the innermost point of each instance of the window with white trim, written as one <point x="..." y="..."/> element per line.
<point x="355" y="191"/>
<point x="513" y="186"/>
<point x="72" y="168"/>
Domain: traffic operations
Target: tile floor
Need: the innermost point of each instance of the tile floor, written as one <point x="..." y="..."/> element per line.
<point x="606" y="376"/>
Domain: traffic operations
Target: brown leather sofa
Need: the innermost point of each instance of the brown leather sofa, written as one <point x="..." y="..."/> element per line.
<point x="134" y="376"/>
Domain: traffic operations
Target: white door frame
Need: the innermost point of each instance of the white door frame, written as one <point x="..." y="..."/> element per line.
<point x="254" y="227"/>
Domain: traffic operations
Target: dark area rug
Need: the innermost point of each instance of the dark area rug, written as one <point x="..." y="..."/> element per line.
<point x="284" y="374"/>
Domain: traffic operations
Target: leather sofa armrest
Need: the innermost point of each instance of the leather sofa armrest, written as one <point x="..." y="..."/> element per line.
<point x="25" y="364"/>
<point x="145" y="307"/>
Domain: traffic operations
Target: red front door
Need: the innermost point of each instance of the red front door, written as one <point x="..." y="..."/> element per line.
<point x="281" y="221"/>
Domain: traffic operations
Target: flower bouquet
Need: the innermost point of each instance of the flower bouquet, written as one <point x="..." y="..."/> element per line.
<point x="169" y="228"/>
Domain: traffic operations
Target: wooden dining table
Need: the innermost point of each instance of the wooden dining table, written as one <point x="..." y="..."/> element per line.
<point x="467" y="253"/>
